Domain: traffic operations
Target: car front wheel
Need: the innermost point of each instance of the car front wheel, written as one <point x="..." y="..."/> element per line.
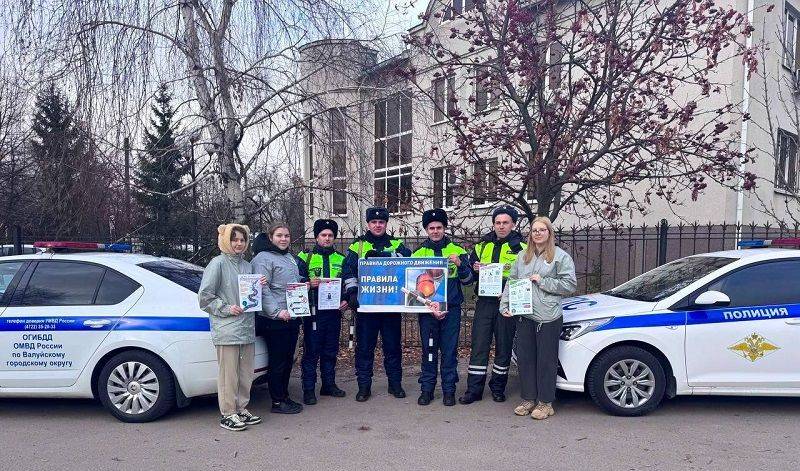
<point x="626" y="381"/>
<point x="136" y="386"/>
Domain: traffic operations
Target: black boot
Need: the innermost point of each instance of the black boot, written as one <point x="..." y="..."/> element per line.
<point x="397" y="391"/>
<point x="364" y="392"/>
<point x="283" y="407"/>
<point x="449" y="399"/>
<point x="498" y="396"/>
<point x="425" y="398"/>
<point x="309" y="398"/>
<point x="332" y="390"/>
<point x="469" y="397"/>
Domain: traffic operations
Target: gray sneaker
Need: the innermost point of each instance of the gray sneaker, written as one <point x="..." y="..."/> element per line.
<point x="248" y="418"/>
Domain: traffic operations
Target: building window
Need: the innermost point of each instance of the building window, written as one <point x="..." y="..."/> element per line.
<point x="786" y="168"/>
<point x="393" y="132"/>
<point x="551" y="60"/>
<point x="337" y="118"/>
<point x="487" y="94"/>
<point x="308" y="132"/>
<point x="444" y="98"/>
<point x="791" y="41"/>
<point x="458" y="7"/>
<point x="485" y="182"/>
<point x="443" y="183"/>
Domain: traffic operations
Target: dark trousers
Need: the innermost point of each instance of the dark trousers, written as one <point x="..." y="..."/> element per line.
<point x="320" y="346"/>
<point x="486" y="324"/>
<point x="440" y="336"/>
<point x="368" y="325"/>
<point x="537" y="358"/>
<point x="281" y="344"/>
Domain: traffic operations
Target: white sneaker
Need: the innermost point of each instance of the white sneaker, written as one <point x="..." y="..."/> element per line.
<point x="233" y="422"/>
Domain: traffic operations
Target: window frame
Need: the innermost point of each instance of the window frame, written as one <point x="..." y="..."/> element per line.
<point x="790" y="59"/>
<point x="308" y="148"/>
<point x="487" y="200"/>
<point x="385" y="172"/>
<point x="492" y="95"/>
<point x="787" y="168"/>
<point x="448" y="94"/>
<point x="447" y="185"/>
<point x="338" y="163"/>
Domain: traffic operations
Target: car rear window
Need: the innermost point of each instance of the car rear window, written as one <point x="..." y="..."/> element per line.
<point x="668" y="279"/>
<point x="181" y="273"/>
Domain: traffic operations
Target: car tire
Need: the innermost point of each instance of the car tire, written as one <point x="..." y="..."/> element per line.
<point x="136" y="386"/>
<point x="622" y="394"/>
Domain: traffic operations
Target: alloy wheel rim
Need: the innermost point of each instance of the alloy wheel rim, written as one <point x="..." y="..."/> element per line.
<point x="629" y="383"/>
<point x="133" y="387"/>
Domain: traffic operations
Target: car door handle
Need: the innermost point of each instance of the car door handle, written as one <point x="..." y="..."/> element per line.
<point x="793" y="321"/>
<point x="96" y="323"/>
<point x="672" y="327"/>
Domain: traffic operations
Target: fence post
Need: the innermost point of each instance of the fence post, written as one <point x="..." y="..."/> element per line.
<point x="662" y="242"/>
<point x="17" y="240"/>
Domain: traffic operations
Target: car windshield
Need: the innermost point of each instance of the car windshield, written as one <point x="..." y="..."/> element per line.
<point x="182" y="273"/>
<point x="668" y="279"/>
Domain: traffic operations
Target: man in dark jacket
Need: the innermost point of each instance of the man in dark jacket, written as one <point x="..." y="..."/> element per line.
<point x="374" y="243"/>
<point x="499" y="246"/>
<point x="441" y="333"/>
<point x="321" y="330"/>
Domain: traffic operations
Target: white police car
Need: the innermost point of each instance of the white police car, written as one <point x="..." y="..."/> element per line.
<point x="120" y="327"/>
<point x="722" y="323"/>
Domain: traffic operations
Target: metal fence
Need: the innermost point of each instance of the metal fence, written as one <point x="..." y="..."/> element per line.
<point x="604" y="256"/>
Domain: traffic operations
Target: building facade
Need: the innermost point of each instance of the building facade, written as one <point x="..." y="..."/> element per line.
<point x="371" y="138"/>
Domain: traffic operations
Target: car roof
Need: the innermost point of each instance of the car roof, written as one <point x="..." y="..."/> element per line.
<point x="764" y="253"/>
<point x="99" y="257"/>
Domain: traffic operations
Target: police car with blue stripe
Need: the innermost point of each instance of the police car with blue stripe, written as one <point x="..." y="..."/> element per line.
<point x="721" y="323"/>
<point x="123" y="328"/>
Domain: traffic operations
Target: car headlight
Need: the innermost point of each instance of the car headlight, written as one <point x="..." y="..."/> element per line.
<point x="573" y="330"/>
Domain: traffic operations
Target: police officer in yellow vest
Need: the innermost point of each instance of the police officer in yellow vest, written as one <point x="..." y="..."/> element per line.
<point x="499" y="246"/>
<point x="321" y="330"/>
<point x="374" y="243"/>
<point x="440" y="334"/>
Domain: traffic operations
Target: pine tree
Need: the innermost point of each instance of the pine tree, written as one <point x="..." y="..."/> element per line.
<point x="161" y="169"/>
<point x="56" y="149"/>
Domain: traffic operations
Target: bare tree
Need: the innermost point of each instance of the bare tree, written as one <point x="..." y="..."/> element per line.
<point x="233" y="63"/>
<point x="603" y="105"/>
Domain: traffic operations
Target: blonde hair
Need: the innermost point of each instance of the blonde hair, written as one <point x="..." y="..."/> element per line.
<point x="549" y="245"/>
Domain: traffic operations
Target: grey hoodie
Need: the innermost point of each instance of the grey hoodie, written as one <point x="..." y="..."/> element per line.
<point x="219" y="290"/>
<point x="558" y="280"/>
<point x="280" y="270"/>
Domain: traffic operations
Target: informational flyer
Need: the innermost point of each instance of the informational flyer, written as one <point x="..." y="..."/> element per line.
<point x="250" y="292"/>
<point x="520" y="297"/>
<point x="297" y="300"/>
<point x="490" y="280"/>
<point x="329" y="293"/>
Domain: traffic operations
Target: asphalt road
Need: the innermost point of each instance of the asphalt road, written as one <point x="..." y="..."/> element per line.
<point x="387" y="433"/>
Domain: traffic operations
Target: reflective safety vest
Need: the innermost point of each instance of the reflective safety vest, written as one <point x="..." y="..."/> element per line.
<point x="450" y="249"/>
<point x="507" y="254"/>
<point x="361" y="247"/>
<point x="317" y="267"/>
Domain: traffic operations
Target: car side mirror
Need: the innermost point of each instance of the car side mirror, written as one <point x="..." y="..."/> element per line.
<point x="712" y="298"/>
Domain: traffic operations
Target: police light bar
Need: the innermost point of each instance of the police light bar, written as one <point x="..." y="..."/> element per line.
<point x="783" y="242"/>
<point x="65" y="245"/>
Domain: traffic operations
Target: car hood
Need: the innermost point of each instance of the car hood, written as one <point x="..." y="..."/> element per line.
<point x="594" y="306"/>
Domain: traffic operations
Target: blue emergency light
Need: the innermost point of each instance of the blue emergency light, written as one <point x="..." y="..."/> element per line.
<point x="793" y="242"/>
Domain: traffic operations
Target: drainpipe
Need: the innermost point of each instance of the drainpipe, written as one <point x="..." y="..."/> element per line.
<point x="743" y="133"/>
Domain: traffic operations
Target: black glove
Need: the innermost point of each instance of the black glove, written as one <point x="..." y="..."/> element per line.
<point x="352" y="300"/>
<point x="372" y="253"/>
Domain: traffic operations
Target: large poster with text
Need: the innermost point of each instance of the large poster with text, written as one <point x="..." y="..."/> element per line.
<point x="399" y="284"/>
